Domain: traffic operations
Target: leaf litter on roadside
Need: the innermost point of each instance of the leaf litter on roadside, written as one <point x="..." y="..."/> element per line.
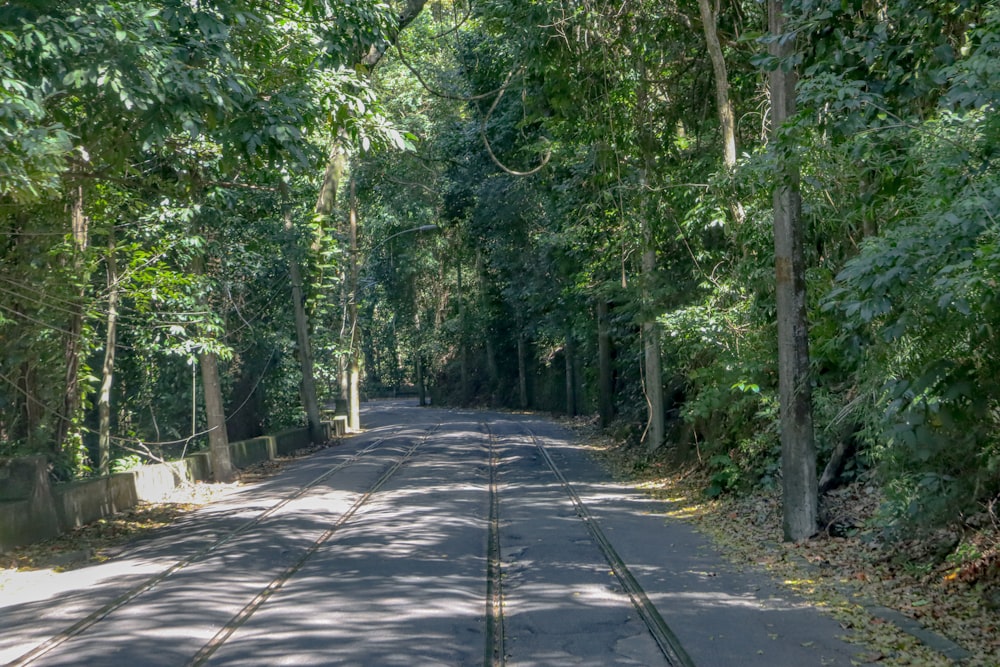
<point x="94" y="542"/>
<point x="848" y="564"/>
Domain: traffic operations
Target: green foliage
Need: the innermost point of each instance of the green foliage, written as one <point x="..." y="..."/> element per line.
<point x="184" y="137"/>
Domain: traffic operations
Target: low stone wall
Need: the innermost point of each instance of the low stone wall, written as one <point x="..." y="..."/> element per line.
<point x="290" y="440"/>
<point x="31" y="509"/>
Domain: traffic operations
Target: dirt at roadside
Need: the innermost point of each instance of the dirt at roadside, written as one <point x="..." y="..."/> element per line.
<point x="96" y="542"/>
<point x="947" y="582"/>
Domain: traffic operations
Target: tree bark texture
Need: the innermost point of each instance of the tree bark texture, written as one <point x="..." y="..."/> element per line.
<point x="410" y="12"/>
<point x="218" y="440"/>
<point x="74" y="338"/>
<point x="522" y="371"/>
<point x="605" y="378"/>
<point x="308" y="386"/>
<point x="656" y="432"/>
<point x="798" y="454"/>
<point x="354" y="345"/>
<point x="570" y="353"/>
<point x="727" y="121"/>
<point x="463" y="359"/>
<point x="108" y="367"/>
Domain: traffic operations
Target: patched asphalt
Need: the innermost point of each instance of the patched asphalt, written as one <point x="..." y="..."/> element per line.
<point x="345" y="575"/>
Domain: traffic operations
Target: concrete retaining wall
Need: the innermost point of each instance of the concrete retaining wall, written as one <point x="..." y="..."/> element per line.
<point x="31" y="509"/>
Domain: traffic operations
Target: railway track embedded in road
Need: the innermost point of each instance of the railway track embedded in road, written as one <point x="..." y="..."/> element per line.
<point x="664" y="637"/>
<point x="217" y="641"/>
<point x="495" y="656"/>
<point x="147" y="584"/>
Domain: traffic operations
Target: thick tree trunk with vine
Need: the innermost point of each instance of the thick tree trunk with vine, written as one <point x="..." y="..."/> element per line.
<point x="325" y="203"/>
<point x="798" y="453"/>
<point x="108" y="367"/>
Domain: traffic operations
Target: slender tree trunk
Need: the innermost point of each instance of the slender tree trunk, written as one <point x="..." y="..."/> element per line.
<point x="74" y="339"/>
<point x="308" y="386"/>
<point x="725" y="107"/>
<point x="656" y="426"/>
<point x="656" y="432"/>
<point x="215" y="411"/>
<point x="798" y="455"/>
<point x="218" y="439"/>
<point x="605" y="382"/>
<point x="355" y="407"/>
<point x="354" y="349"/>
<point x="492" y="370"/>
<point x="570" y="379"/>
<point x="421" y="388"/>
<point x="727" y="122"/>
<point x="463" y="359"/>
<point x="522" y="371"/>
<point x="108" y="367"/>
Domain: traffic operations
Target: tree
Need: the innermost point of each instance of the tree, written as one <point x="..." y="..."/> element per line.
<point x="798" y="457"/>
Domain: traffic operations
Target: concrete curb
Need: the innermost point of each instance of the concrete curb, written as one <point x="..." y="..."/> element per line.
<point x="929" y="638"/>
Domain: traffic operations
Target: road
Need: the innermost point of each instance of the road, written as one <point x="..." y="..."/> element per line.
<point x="436" y="537"/>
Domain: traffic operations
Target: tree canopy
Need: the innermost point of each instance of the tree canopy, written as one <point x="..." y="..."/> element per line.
<point x="565" y="206"/>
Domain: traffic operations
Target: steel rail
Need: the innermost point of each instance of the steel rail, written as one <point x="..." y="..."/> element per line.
<point x="276" y="584"/>
<point x="84" y="624"/>
<point x="665" y="638"/>
<point x="494" y="656"/>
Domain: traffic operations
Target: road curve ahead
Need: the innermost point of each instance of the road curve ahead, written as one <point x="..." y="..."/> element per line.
<point x="436" y="537"/>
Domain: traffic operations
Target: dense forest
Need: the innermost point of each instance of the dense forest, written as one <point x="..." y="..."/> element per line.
<point x="217" y="216"/>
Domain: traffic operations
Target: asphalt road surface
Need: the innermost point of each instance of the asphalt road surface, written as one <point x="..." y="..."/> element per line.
<point x="436" y="537"/>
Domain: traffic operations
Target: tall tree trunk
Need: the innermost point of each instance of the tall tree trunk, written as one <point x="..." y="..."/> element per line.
<point x="709" y="20"/>
<point x="654" y="385"/>
<point x="308" y="385"/>
<point x="605" y="380"/>
<point x="215" y="411"/>
<point x="656" y="431"/>
<point x="421" y="387"/>
<point x="354" y="348"/>
<point x="218" y="439"/>
<point x="74" y="340"/>
<point x="108" y="367"/>
<point x="522" y="371"/>
<point x="492" y="370"/>
<point x="463" y="358"/>
<point x="656" y="426"/>
<point x="798" y="454"/>
<point x="325" y="203"/>
<point x="570" y="376"/>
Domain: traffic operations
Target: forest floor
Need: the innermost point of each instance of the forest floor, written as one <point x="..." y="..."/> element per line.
<point x="947" y="581"/>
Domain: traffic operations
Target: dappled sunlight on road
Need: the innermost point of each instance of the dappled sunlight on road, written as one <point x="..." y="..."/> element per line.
<point x="384" y="561"/>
